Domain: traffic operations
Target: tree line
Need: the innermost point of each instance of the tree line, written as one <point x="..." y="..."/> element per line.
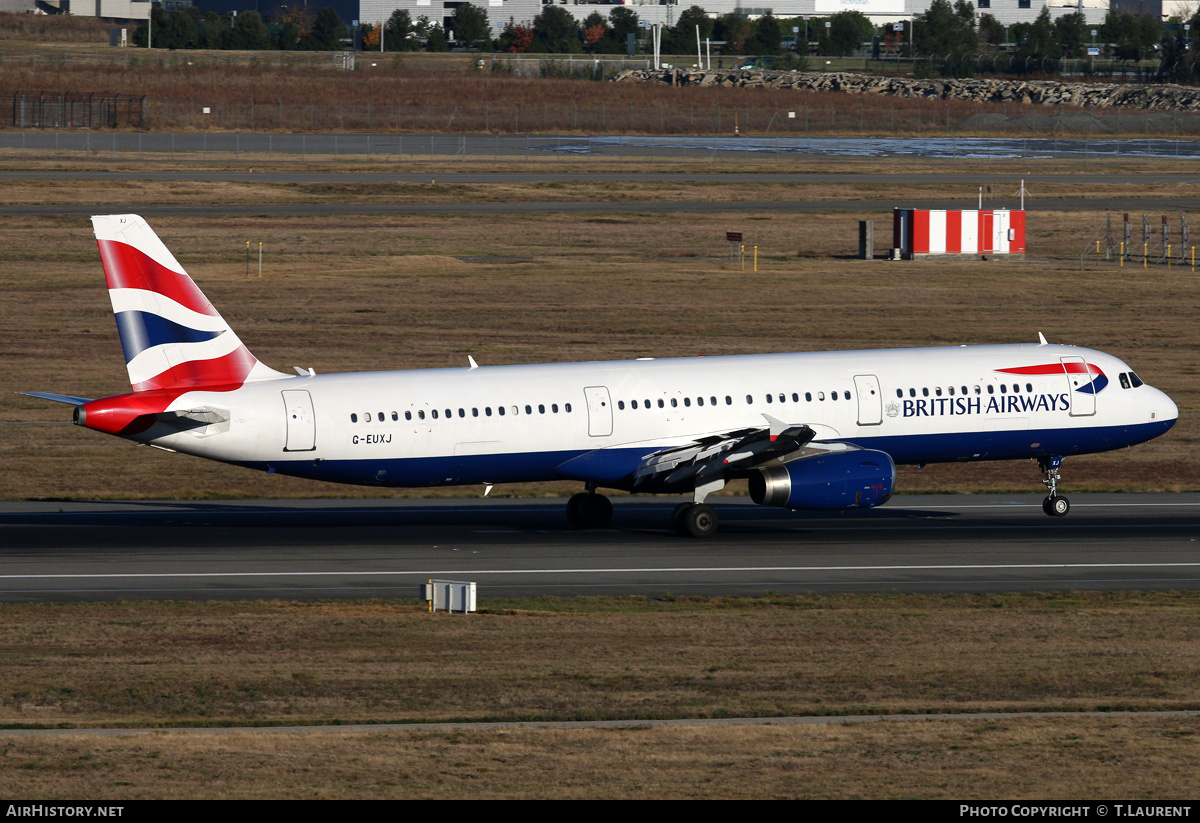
<point x="947" y="39"/>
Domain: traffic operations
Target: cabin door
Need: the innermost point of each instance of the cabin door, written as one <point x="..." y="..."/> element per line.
<point x="870" y="400"/>
<point x="301" y="422"/>
<point x="599" y="406"/>
<point x="1080" y="386"/>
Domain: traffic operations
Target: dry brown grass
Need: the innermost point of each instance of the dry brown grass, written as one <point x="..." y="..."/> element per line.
<point x="129" y="665"/>
<point x="61" y="192"/>
<point x="1009" y="759"/>
<point x="222" y="664"/>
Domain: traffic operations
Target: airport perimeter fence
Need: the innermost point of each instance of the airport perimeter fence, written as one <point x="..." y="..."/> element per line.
<point x="914" y="118"/>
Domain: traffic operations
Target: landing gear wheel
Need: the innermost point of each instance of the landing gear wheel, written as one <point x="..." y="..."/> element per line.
<point x="599" y="510"/>
<point x="1053" y="505"/>
<point x="589" y="511"/>
<point x="575" y="510"/>
<point x="700" y="521"/>
<point x="1056" y="506"/>
<point x="677" y="519"/>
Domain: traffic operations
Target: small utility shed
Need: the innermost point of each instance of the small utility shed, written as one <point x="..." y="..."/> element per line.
<point x="966" y="232"/>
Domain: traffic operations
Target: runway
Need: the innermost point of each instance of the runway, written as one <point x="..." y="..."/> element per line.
<point x="366" y="549"/>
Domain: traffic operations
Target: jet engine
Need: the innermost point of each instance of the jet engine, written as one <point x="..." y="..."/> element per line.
<point x="857" y="479"/>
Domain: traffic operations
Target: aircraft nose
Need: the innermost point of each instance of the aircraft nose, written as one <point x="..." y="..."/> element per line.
<point x="1163" y="407"/>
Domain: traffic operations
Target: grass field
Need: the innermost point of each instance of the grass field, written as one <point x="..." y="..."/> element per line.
<point x="237" y="664"/>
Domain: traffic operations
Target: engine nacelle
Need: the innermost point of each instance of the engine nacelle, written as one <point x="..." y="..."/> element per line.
<point x="856" y="479"/>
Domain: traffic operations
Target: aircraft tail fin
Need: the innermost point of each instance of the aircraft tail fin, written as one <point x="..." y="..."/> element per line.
<point x="172" y="336"/>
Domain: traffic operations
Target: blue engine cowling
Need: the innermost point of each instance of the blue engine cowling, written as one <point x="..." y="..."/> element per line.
<point x="856" y="479"/>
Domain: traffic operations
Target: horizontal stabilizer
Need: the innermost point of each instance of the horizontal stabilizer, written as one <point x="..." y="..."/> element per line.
<point x="58" y="398"/>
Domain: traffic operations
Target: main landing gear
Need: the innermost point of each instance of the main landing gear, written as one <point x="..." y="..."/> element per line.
<point x="697" y="519"/>
<point x="694" y="520"/>
<point x="588" y="510"/>
<point x="1054" y="505"/>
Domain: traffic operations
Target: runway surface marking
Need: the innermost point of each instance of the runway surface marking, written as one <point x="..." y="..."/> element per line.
<point x="942" y="567"/>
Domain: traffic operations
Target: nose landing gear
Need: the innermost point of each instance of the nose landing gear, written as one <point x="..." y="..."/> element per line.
<point x="1054" y="505"/>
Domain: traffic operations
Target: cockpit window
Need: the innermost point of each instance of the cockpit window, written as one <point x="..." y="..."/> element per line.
<point x="1135" y="380"/>
<point x="1124" y="380"/>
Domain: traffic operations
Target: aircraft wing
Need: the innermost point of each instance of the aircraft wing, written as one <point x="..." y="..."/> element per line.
<point x="681" y="467"/>
<point x="692" y="463"/>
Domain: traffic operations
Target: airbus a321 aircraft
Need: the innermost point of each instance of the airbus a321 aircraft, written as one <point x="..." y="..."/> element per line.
<point x="820" y="430"/>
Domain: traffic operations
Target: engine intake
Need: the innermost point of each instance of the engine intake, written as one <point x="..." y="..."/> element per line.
<point x="839" y="480"/>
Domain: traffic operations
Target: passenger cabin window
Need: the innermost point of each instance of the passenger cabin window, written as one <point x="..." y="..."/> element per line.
<point x="354" y="417"/>
<point x="567" y="408"/>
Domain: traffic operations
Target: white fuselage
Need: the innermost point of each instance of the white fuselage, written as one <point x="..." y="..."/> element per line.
<point x="515" y="423"/>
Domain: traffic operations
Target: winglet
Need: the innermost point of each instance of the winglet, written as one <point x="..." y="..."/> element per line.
<point x="778" y="427"/>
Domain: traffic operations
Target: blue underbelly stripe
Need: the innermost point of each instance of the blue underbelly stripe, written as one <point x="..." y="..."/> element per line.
<point x="533" y="466"/>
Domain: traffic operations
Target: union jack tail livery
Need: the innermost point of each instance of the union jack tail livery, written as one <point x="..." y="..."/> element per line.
<point x="172" y="336"/>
